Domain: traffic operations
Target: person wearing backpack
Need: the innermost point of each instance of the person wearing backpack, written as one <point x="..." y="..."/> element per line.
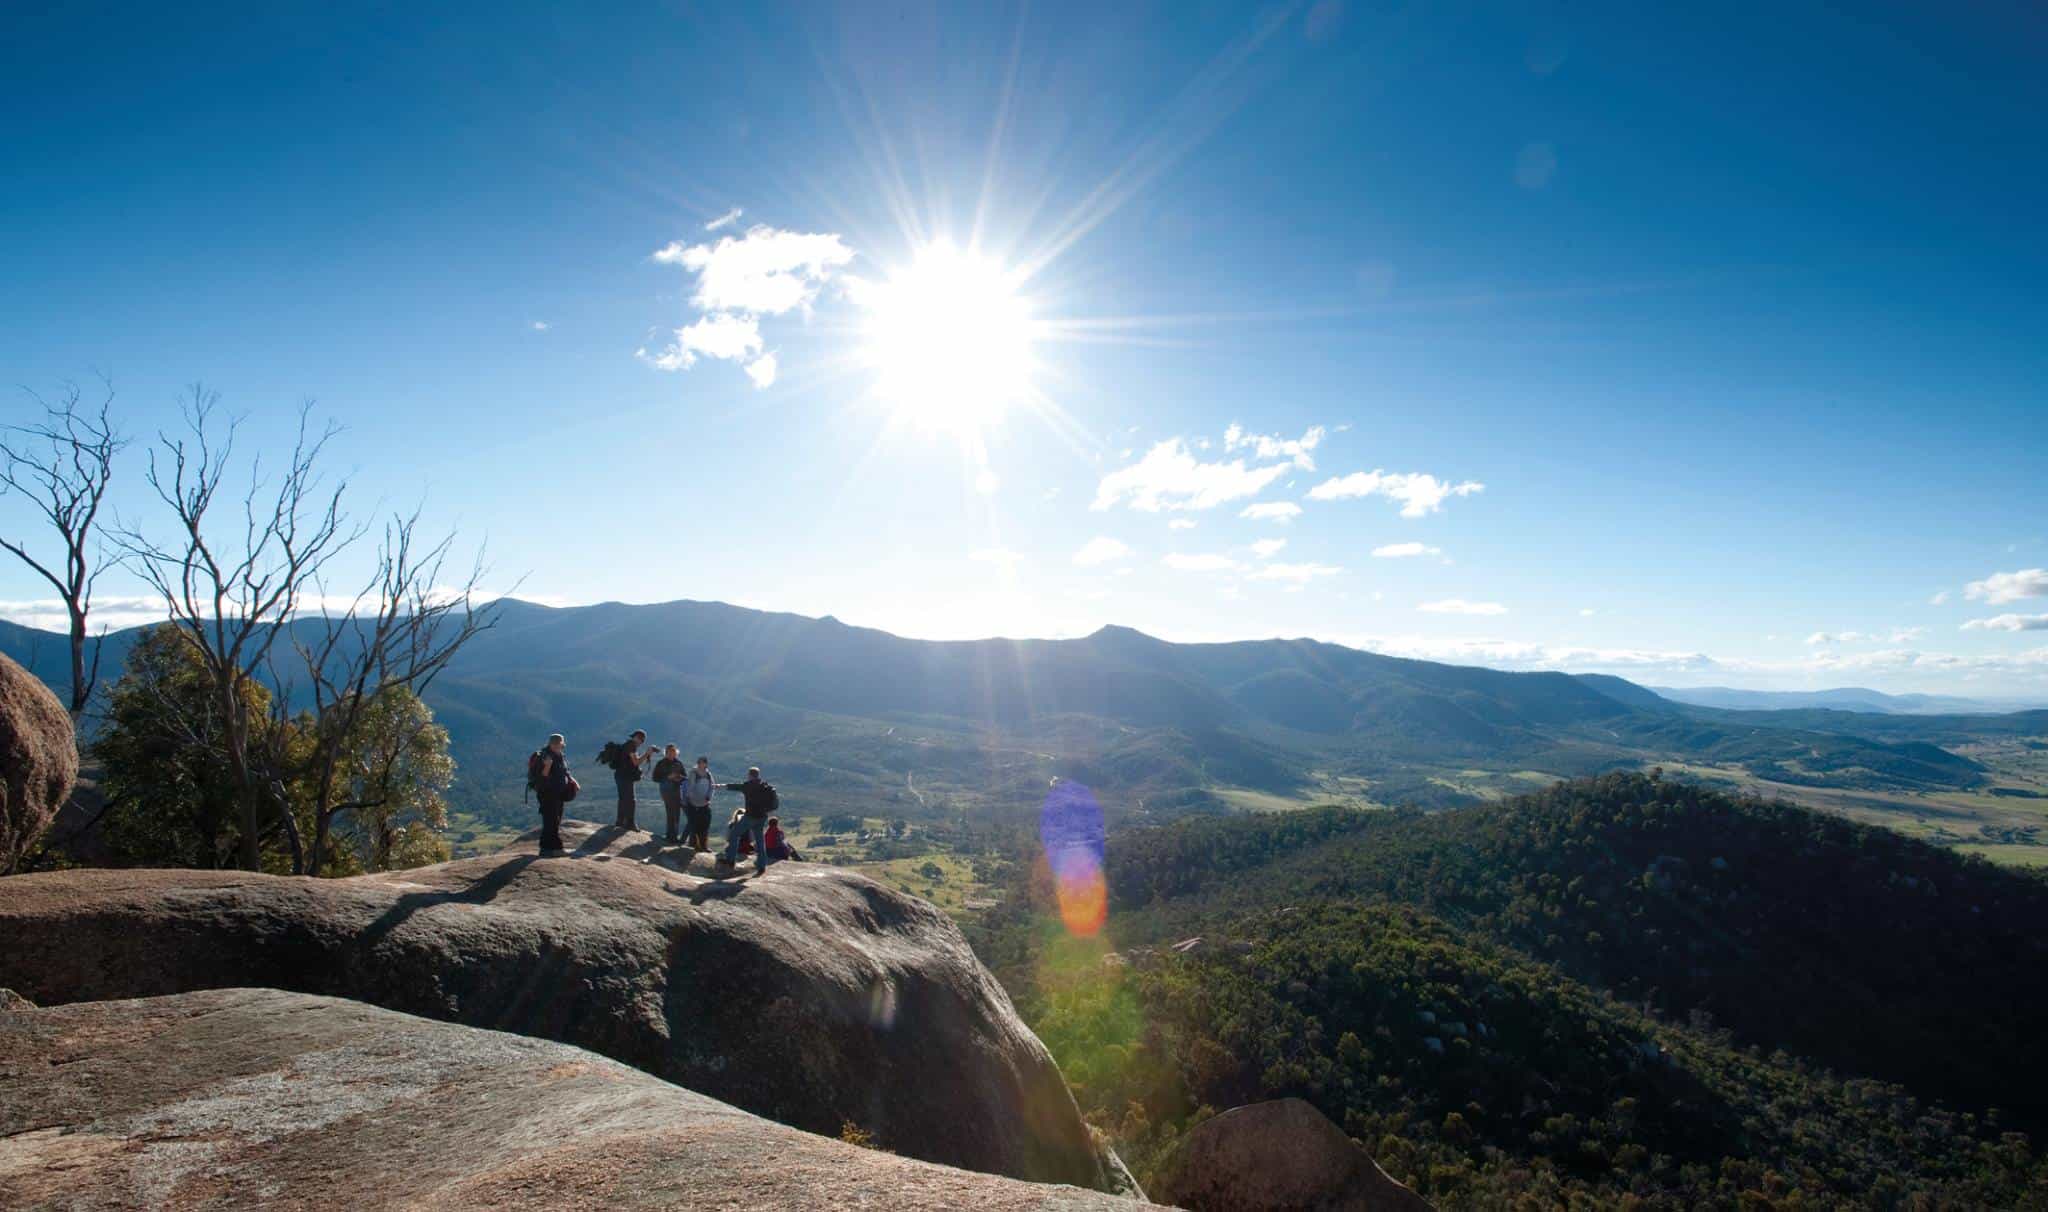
<point x="697" y="789"/>
<point x="626" y="761"/>
<point x="761" y="803"/>
<point x="668" y="780"/>
<point x="547" y="773"/>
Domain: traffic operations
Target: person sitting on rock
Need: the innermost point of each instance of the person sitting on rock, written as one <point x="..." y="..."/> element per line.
<point x="774" y="843"/>
<point x="759" y="802"/>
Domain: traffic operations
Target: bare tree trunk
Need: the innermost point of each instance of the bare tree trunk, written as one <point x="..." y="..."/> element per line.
<point x="64" y="465"/>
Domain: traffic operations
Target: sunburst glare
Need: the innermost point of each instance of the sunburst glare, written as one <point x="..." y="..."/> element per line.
<point x="950" y="339"/>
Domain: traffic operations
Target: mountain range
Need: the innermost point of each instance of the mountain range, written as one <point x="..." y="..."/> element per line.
<point x="1158" y="728"/>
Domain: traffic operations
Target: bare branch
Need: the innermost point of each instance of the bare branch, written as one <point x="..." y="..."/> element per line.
<point x="63" y="465"/>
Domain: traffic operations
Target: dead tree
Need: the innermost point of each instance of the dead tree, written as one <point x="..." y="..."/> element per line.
<point x="401" y="629"/>
<point x="233" y="598"/>
<point x="63" y="464"/>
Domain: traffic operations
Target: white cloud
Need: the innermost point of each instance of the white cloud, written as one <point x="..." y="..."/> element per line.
<point x="1101" y="550"/>
<point x="1938" y="599"/>
<point x="1460" y="606"/>
<point x="1199" y="563"/>
<point x="1587" y="612"/>
<point x="1418" y="492"/>
<point x="1402" y="551"/>
<point x="1271" y="511"/>
<point x="2009" y="622"/>
<point x="725" y="220"/>
<point x="1266" y="549"/>
<point x="540" y="326"/>
<point x="2002" y="587"/>
<point x="1171" y="477"/>
<point x="112" y="613"/>
<point x="715" y="336"/>
<point x="1295" y="450"/>
<point x="1897" y="635"/>
<point x="765" y="272"/>
<point x="1299" y="574"/>
<point x="1938" y="670"/>
<point x="1181" y="524"/>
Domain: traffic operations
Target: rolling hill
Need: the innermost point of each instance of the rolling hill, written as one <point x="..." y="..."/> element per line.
<point x="1621" y="990"/>
<point x="1158" y="728"/>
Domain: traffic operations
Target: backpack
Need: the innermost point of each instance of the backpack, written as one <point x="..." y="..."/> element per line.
<point x="610" y="754"/>
<point x="533" y="771"/>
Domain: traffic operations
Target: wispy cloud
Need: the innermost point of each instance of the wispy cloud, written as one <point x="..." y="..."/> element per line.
<point x="1939" y="599"/>
<point x="1298" y="574"/>
<point x="725" y="220"/>
<point x="1403" y="551"/>
<point x="1184" y="562"/>
<point x="1181" y="524"/>
<point x="1266" y="549"/>
<point x="2009" y="622"/>
<point x="762" y="370"/>
<point x="1419" y="493"/>
<point x="1295" y="450"/>
<point x="1460" y="606"/>
<point x="1271" y="511"/>
<point x="2002" y="587"/>
<point x="1897" y="635"/>
<point x="1101" y="550"/>
<point x="539" y="326"/>
<point x="1171" y="477"/>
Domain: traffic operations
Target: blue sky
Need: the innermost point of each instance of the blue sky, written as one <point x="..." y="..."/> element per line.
<point x="1697" y="346"/>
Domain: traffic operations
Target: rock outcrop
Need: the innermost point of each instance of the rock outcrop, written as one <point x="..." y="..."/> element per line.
<point x="258" y="1098"/>
<point x="811" y="995"/>
<point x="1281" y="1156"/>
<point x="38" y="760"/>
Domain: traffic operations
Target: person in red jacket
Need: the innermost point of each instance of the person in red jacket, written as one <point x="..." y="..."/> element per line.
<point x="774" y="845"/>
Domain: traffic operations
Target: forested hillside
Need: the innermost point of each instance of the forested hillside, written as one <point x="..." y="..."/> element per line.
<point x="1161" y="729"/>
<point x="1620" y="985"/>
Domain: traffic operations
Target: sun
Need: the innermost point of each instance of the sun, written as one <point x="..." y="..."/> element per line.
<point x="949" y="338"/>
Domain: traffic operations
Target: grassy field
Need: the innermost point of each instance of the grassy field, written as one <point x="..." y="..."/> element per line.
<point x="955" y="891"/>
<point x="2010" y="828"/>
<point x="1324" y="788"/>
<point x="469" y="835"/>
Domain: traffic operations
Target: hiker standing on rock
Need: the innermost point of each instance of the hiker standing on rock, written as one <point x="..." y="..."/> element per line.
<point x="626" y="761"/>
<point x="548" y="772"/>
<point x="668" y="779"/>
<point x="761" y="803"/>
<point x="697" y="805"/>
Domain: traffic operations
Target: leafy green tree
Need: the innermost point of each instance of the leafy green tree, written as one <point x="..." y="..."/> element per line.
<point x="399" y="769"/>
<point x="177" y="802"/>
<point x="174" y="801"/>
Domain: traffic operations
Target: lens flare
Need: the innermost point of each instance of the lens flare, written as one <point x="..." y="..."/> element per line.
<point x="1070" y="829"/>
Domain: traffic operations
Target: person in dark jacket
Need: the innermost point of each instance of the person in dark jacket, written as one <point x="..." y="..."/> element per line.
<point x="669" y="773"/>
<point x="626" y="771"/>
<point x="752" y="820"/>
<point x="551" y="786"/>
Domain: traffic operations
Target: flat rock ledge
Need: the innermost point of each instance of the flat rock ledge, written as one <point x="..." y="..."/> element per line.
<point x="245" y="1098"/>
<point x="811" y="995"/>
